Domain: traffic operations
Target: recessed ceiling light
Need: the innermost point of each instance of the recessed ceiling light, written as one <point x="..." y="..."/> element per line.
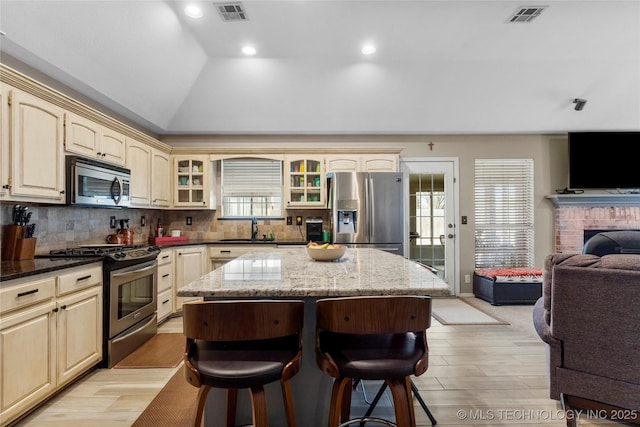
<point x="249" y="50"/>
<point x="368" y="49"/>
<point x="193" y="11"/>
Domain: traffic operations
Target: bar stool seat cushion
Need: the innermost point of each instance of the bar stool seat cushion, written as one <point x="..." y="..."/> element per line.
<point x="373" y="357"/>
<point x="241" y="364"/>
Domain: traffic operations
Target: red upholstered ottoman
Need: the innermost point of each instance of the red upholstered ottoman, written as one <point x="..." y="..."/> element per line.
<point x="508" y="285"/>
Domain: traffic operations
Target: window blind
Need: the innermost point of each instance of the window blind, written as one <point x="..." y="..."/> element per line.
<point x="504" y="213"/>
<point x="251" y="187"/>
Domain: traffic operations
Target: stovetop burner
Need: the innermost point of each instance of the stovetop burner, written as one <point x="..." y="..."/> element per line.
<point x="111" y="253"/>
<point x="92" y="250"/>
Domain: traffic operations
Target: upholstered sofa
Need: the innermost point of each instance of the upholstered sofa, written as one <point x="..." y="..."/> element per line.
<point x="589" y="317"/>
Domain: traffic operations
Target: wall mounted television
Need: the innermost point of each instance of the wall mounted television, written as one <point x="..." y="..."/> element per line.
<point x="604" y="161"/>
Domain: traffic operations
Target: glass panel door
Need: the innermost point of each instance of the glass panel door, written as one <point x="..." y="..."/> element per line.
<point x="431" y="202"/>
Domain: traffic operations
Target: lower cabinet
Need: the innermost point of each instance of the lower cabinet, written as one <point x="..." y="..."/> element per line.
<point x="165" y="284"/>
<point x="50" y="333"/>
<point x="191" y="263"/>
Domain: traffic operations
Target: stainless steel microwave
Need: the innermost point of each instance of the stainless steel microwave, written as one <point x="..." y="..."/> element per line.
<point x="93" y="183"/>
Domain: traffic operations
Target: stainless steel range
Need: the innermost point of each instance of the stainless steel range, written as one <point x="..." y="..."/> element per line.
<point x="130" y="276"/>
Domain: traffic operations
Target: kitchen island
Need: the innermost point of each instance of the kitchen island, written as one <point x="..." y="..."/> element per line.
<point x="290" y="273"/>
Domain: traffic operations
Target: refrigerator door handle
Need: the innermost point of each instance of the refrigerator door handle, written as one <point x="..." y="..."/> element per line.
<point x="368" y="204"/>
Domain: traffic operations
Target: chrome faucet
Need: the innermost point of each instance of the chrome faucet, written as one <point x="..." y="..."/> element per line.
<point x="254" y="228"/>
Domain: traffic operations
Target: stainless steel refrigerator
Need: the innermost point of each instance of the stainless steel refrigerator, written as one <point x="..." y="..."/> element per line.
<point x="368" y="210"/>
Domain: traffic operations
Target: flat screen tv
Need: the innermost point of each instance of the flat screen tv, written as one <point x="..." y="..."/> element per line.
<point x="604" y="161"/>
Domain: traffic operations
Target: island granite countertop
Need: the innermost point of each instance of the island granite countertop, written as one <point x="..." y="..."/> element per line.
<point x="290" y="272"/>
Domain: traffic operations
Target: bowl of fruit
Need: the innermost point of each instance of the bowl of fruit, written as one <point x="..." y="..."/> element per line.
<point x="325" y="251"/>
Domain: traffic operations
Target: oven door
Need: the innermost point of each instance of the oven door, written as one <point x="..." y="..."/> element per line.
<point x="132" y="295"/>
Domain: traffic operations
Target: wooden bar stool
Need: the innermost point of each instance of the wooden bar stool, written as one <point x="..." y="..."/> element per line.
<point x="243" y="344"/>
<point x="372" y="338"/>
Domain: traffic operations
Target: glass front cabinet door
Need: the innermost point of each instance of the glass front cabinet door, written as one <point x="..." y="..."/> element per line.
<point x="306" y="182"/>
<point x="191" y="181"/>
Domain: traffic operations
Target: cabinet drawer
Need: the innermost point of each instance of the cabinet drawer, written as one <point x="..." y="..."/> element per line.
<point x="26" y="294"/>
<point x="165" y="257"/>
<point x="165" y="304"/>
<point x="165" y="277"/>
<point x="80" y="279"/>
<point x="228" y="252"/>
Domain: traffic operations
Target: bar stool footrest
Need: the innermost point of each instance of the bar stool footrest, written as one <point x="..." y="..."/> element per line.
<point x="363" y="420"/>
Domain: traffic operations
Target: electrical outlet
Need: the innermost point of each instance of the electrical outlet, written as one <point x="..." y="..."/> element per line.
<point x="189" y="220"/>
<point x="298" y="220"/>
<point x="143" y="221"/>
<point x="467" y="278"/>
<point x="112" y="222"/>
<point x="289" y="220"/>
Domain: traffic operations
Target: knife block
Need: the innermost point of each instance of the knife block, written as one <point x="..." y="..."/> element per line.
<point x="25" y="249"/>
<point x="11" y="234"/>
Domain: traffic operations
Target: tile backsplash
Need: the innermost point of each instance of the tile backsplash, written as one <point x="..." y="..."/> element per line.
<point x="60" y="227"/>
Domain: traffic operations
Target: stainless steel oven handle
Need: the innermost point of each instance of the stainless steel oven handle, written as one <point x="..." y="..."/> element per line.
<point x="154" y="318"/>
<point x="126" y="273"/>
<point x="121" y="190"/>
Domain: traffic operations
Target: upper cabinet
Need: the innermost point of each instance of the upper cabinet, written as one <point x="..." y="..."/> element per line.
<point x="362" y="163"/>
<point x="150" y="175"/>
<point x="191" y="176"/>
<point x="36" y="165"/>
<point x="4" y="141"/>
<point x="139" y="162"/>
<point x="89" y="139"/>
<point x="305" y="182"/>
<point x="160" y="179"/>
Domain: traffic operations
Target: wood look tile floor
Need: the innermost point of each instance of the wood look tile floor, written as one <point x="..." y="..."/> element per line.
<point x="479" y="375"/>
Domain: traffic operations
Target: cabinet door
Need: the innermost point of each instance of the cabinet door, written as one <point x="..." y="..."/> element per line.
<point x="191" y="181"/>
<point x="27" y="359"/>
<point x="161" y="179"/>
<point x="37" y="157"/>
<point x="380" y="163"/>
<point x="346" y="163"/>
<point x="81" y="135"/>
<point x="305" y="184"/>
<point x="189" y="267"/>
<point x="4" y="141"/>
<point x="112" y="146"/>
<point x="139" y="161"/>
<point x="79" y="338"/>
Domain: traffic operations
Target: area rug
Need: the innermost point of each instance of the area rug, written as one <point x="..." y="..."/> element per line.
<point x="174" y="406"/>
<point x="455" y="311"/>
<point x="161" y="351"/>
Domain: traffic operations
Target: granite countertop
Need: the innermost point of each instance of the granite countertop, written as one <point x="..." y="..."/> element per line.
<point x="290" y="272"/>
<point x="10" y="270"/>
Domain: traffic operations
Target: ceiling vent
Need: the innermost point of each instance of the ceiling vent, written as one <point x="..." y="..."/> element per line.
<point x="526" y="13"/>
<point x="231" y="12"/>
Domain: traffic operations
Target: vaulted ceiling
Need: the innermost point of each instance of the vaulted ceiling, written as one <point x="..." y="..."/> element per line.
<point x="439" y="66"/>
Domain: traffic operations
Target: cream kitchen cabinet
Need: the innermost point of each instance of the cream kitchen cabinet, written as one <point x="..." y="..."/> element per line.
<point x="50" y="333"/>
<point x="191" y="176"/>
<point x="160" y="179"/>
<point x="139" y="162"/>
<point x="165" y="283"/>
<point x="150" y="175"/>
<point x="305" y="182"/>
<point x="379" y="163"/>
<point x="191" y="264"/>
<point x="36" y="155"/>
<point x="94" y="141"/>
<point x="362" y="163"/>
<point x="4" y="141"/>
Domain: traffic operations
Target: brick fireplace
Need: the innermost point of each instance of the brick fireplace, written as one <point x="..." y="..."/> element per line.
<point x="572" y="221"/>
